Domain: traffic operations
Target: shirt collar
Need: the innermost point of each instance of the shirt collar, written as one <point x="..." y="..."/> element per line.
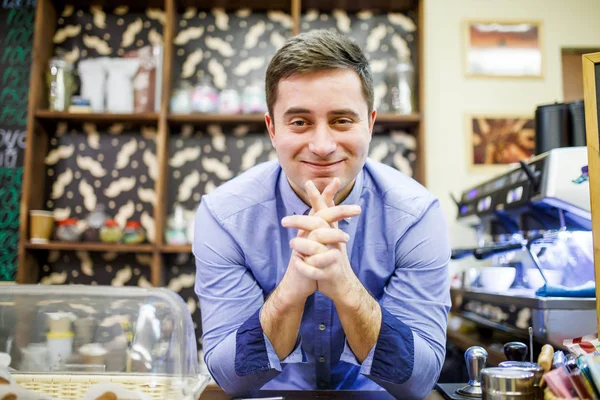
<point x="295" y="204"/>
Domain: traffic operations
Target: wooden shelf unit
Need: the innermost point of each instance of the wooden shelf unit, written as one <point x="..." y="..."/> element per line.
<point x="86" y="246"/>
<point x="47" y="115"/>
<point x="41" y="119"/>
<point x="185" y="248"/>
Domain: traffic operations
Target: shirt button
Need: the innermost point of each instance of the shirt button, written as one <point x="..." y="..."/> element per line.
<point x="322" y="384"/>
<point x="322" y="327"/>
<point x="321" y="359"/>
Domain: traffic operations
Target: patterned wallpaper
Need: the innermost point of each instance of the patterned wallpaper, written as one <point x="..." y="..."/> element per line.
<point x="232" y="49"/>
<point x="383" y="38"/>
<point x="98" y="32"/>
<point x="115" y="164"/>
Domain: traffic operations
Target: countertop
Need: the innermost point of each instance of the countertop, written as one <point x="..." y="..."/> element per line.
<point x="215" y="393"/>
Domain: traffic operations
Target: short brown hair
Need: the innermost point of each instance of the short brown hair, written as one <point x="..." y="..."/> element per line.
<point x="314" y="51"/>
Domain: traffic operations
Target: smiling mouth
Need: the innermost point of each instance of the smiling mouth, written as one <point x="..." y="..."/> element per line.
<point x="323" y="165"/>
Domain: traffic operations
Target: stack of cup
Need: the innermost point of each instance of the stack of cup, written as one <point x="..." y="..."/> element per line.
<point x="59" y="339"/>
<point x="85" y="329"/>
<point x="41" y="224"/>
<point x="93" y="354"/>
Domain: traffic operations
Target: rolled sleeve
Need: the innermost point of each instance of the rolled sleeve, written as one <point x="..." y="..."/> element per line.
<point x="255" y="353"/>
<point x="392" y="357"/>
<point x="409" y="351"/>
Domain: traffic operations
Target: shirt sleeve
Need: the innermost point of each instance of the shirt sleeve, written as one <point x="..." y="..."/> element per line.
<point x="237" y="353"/>
<point x="409" y="353"/>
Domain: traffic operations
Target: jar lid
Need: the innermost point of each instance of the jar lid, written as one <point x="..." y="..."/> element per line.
<point x="513" y="381"/>
<point x="68" y="221"/>
<point x="133" y="224"/>
<point x="111" y="223"/>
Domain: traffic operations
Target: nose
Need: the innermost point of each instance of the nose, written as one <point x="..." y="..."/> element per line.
<point x="322" y="143"/>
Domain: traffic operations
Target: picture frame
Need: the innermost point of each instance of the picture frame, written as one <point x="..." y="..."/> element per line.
<point x="504" y="49"/>
<point x="495" y="141"/>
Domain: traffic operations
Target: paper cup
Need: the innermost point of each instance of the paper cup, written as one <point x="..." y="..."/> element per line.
<point x="60" y="347"/>
<point x="41" y="224"/>
<point x="92" y="353"/>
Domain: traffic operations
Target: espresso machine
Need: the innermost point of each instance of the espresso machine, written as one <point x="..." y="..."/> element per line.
<point x="533" y="264"/>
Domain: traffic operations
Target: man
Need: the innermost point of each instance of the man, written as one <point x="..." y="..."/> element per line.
<point x="322" y="270"/>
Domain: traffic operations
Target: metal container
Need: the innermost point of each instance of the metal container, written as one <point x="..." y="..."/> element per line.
<point x="507" y="384"/>
<point x="537" y="370"/>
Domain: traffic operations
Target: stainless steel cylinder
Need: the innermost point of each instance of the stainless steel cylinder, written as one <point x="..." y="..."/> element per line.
<point x="507" y="384"/>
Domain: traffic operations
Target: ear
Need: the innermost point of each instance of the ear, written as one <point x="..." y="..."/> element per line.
<point x="270" y="127"/>
<point x="372" y="123"/>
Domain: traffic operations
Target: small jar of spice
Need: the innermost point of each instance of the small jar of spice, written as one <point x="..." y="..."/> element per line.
<point x="133" y="233"/>
<point x="67" y="230"/>
<point x="111" y="232"/>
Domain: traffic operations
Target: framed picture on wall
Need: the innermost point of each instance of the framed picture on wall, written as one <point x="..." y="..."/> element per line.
<point x="504" y="49"/>
<point x="499" y="140"/>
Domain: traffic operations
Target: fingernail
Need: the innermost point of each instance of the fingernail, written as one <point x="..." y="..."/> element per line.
<point x="347" y="236"/>
<point x="356" y="209"/>
<point x="285" y="221"/>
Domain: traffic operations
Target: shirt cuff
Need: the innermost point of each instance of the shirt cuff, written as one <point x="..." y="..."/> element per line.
<point x="394" y="352"/>
<point x="349" y="357"/>
<point x="254" y="352"/>
<point x="296" y="356"/>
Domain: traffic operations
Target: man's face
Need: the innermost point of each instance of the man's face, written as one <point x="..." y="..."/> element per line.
<point x="321" y="129"/>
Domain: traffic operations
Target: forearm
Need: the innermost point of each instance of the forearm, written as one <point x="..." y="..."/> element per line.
<point x="360" y="316"/>
<point x="419" y="381"/>
<point x="221" y="363"/>
<point x="280" y="319"/>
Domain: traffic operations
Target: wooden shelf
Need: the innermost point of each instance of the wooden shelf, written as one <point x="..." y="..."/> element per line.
<point x="83" y="246"/>
<point x="186" y="248"/>
<point x="397" y="119"/>
<point x="46" y="115"/>
<point x="201" y="118"/>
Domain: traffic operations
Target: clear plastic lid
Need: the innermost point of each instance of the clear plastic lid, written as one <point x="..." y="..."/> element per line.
<point x="100" y="330"/>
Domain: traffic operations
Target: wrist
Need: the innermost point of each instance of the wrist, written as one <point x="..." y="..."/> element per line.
<point x="352" y="297"/>
<point x="285" y="300"/>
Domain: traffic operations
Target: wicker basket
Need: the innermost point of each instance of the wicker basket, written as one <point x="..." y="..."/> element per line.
<point x="73" y="387"/>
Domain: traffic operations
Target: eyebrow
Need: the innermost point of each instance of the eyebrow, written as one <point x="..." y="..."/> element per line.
<point x="299" y="110"/>
<point x="346" y="111"/>
<point x="296" y="110"/>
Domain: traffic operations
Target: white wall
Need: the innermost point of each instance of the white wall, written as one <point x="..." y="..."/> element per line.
<point x="449" y="95"/>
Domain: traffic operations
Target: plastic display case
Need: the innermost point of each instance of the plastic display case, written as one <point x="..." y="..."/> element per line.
<point x="62" y="340"/>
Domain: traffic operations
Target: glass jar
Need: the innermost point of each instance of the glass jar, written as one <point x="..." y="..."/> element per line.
<point x="111" y="232"/>
<point x="229" y="102"/>
<point x="175" y="233"/>
<point x="59" y="78"/>
<point x="181" y="102"/>
<point x="204" y="97"/>
<point x="95" y="221"/>
<point x="67" y="230"/>
<point x="400" y="80"/>
<point x="253" y="99"/>
<point x="133" y="233"/>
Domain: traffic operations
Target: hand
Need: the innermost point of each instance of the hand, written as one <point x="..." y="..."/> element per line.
<point x="323" y="252"/>
<point x="297" y="285"/>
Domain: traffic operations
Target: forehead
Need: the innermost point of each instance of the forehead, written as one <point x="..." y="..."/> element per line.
<point x="327" y="88"/>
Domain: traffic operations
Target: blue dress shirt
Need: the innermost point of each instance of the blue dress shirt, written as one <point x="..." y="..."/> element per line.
<point x="398" y="248"/>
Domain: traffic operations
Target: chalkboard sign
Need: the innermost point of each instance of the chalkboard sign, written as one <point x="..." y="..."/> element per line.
<point x="16" y="39"/>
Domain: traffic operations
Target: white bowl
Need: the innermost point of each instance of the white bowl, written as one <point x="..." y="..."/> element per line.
<point x="497" y="279"/>
<point x="535" y="280"/>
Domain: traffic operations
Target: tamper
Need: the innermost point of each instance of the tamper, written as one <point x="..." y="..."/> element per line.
<point x="515" y="351"/>
<point x="475" y="357"/>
